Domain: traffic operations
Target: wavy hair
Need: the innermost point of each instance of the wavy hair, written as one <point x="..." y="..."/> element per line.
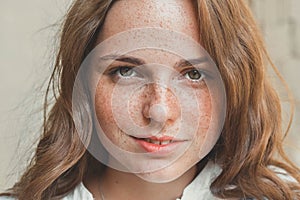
<point x="250" y="142"/>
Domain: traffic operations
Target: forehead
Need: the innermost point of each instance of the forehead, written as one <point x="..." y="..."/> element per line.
<point x="175" y="15"/>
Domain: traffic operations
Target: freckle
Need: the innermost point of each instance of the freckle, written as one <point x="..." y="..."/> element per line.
<point x="161" y="24"/>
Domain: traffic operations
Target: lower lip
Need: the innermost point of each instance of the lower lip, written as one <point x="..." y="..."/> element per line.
<point x="164" y="148"/>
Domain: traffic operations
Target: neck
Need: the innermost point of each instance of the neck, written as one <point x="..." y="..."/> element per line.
<point x="116" y="184"/>
<point x="121" y="185"/>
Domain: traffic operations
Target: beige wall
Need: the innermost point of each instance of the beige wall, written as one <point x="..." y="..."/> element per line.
<point x="25" y="60"/>
<point x="26" y="45"/>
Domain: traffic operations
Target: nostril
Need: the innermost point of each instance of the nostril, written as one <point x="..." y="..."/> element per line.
<point x="158" y="112"/>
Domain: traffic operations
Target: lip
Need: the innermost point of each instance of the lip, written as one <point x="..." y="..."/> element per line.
<point x="159" y="148"/>
<point x="163" y="138"/>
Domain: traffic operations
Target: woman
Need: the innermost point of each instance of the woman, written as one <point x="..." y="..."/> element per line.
<point x="116" y="122"/>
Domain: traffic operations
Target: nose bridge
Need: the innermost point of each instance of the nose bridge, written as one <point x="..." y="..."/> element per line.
<point x="161" y="103"/>
<point x="159" y="94"/>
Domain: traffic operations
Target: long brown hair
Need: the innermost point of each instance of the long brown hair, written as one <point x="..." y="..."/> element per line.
<point x="252" y="135"/>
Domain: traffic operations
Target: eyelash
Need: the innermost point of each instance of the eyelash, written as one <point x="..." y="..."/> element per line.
<point x="201" y="74"/>
<point x="116" y="72"/>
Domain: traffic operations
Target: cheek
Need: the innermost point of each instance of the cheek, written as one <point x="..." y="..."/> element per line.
<point x="117" y="109"/>
<point x="137" y="104"/>
<point x="209" y="124"/>
<point x="103" y="108"/>
<point x="205" y="117"/>
<point x="205" y="108"/>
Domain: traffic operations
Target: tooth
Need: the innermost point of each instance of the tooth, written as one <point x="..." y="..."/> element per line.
<point x="154" y="141"/>
<point x="148" y="140"/>
<point x="165" y="142"/>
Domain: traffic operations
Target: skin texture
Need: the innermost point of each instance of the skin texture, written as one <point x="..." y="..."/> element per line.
<point x="173" y="15"/>
<point x="155" y="102"/>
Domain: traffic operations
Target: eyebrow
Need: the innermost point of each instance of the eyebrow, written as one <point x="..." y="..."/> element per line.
<point x="191" y="62"/>
<point x="122" y="58"/>
<point x="138" y="61"/>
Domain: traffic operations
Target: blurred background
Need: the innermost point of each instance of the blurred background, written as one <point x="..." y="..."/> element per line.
<point x="27" y="48"/>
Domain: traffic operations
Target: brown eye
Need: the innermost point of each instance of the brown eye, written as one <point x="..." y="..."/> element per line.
<point x="194" y="75"/>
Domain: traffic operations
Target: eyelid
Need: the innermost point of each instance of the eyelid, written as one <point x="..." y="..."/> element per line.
<point x="113" y="70"/>
<point x="202" y="72"/>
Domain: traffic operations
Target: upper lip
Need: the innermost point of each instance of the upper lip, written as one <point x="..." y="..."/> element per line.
<point x="160" y="138"/>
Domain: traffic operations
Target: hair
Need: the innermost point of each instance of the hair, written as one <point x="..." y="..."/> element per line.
<point x="251" y="140"/>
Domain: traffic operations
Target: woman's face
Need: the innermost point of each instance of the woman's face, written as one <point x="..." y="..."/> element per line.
<point x="155" y="106"/>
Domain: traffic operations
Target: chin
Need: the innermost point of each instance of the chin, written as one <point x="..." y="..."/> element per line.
<point x="156" y="177"/>
<point x="165" y="175"/>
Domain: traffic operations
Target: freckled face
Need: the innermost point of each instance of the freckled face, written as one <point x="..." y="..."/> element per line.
<point x="150" y="93"/>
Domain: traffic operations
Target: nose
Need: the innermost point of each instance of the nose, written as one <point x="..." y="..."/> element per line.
<point x="161" y="104"/>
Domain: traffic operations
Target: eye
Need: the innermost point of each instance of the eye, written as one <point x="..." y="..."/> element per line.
<point x="123" y="71"/>
<point x="194" y="75"/>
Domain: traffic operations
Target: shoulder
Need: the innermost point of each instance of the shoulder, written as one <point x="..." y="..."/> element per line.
<point x="6" y="198"/>
<point x="80" y="192"/>
<point x="282" y="174"/>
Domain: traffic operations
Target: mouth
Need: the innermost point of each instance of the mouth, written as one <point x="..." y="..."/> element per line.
<point x="163" y="144"/>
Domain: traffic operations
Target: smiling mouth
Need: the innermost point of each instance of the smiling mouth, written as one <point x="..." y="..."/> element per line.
<point x="153" y="143"/>
<point x="162" y="142"/>
<point x="158" y="140"/>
